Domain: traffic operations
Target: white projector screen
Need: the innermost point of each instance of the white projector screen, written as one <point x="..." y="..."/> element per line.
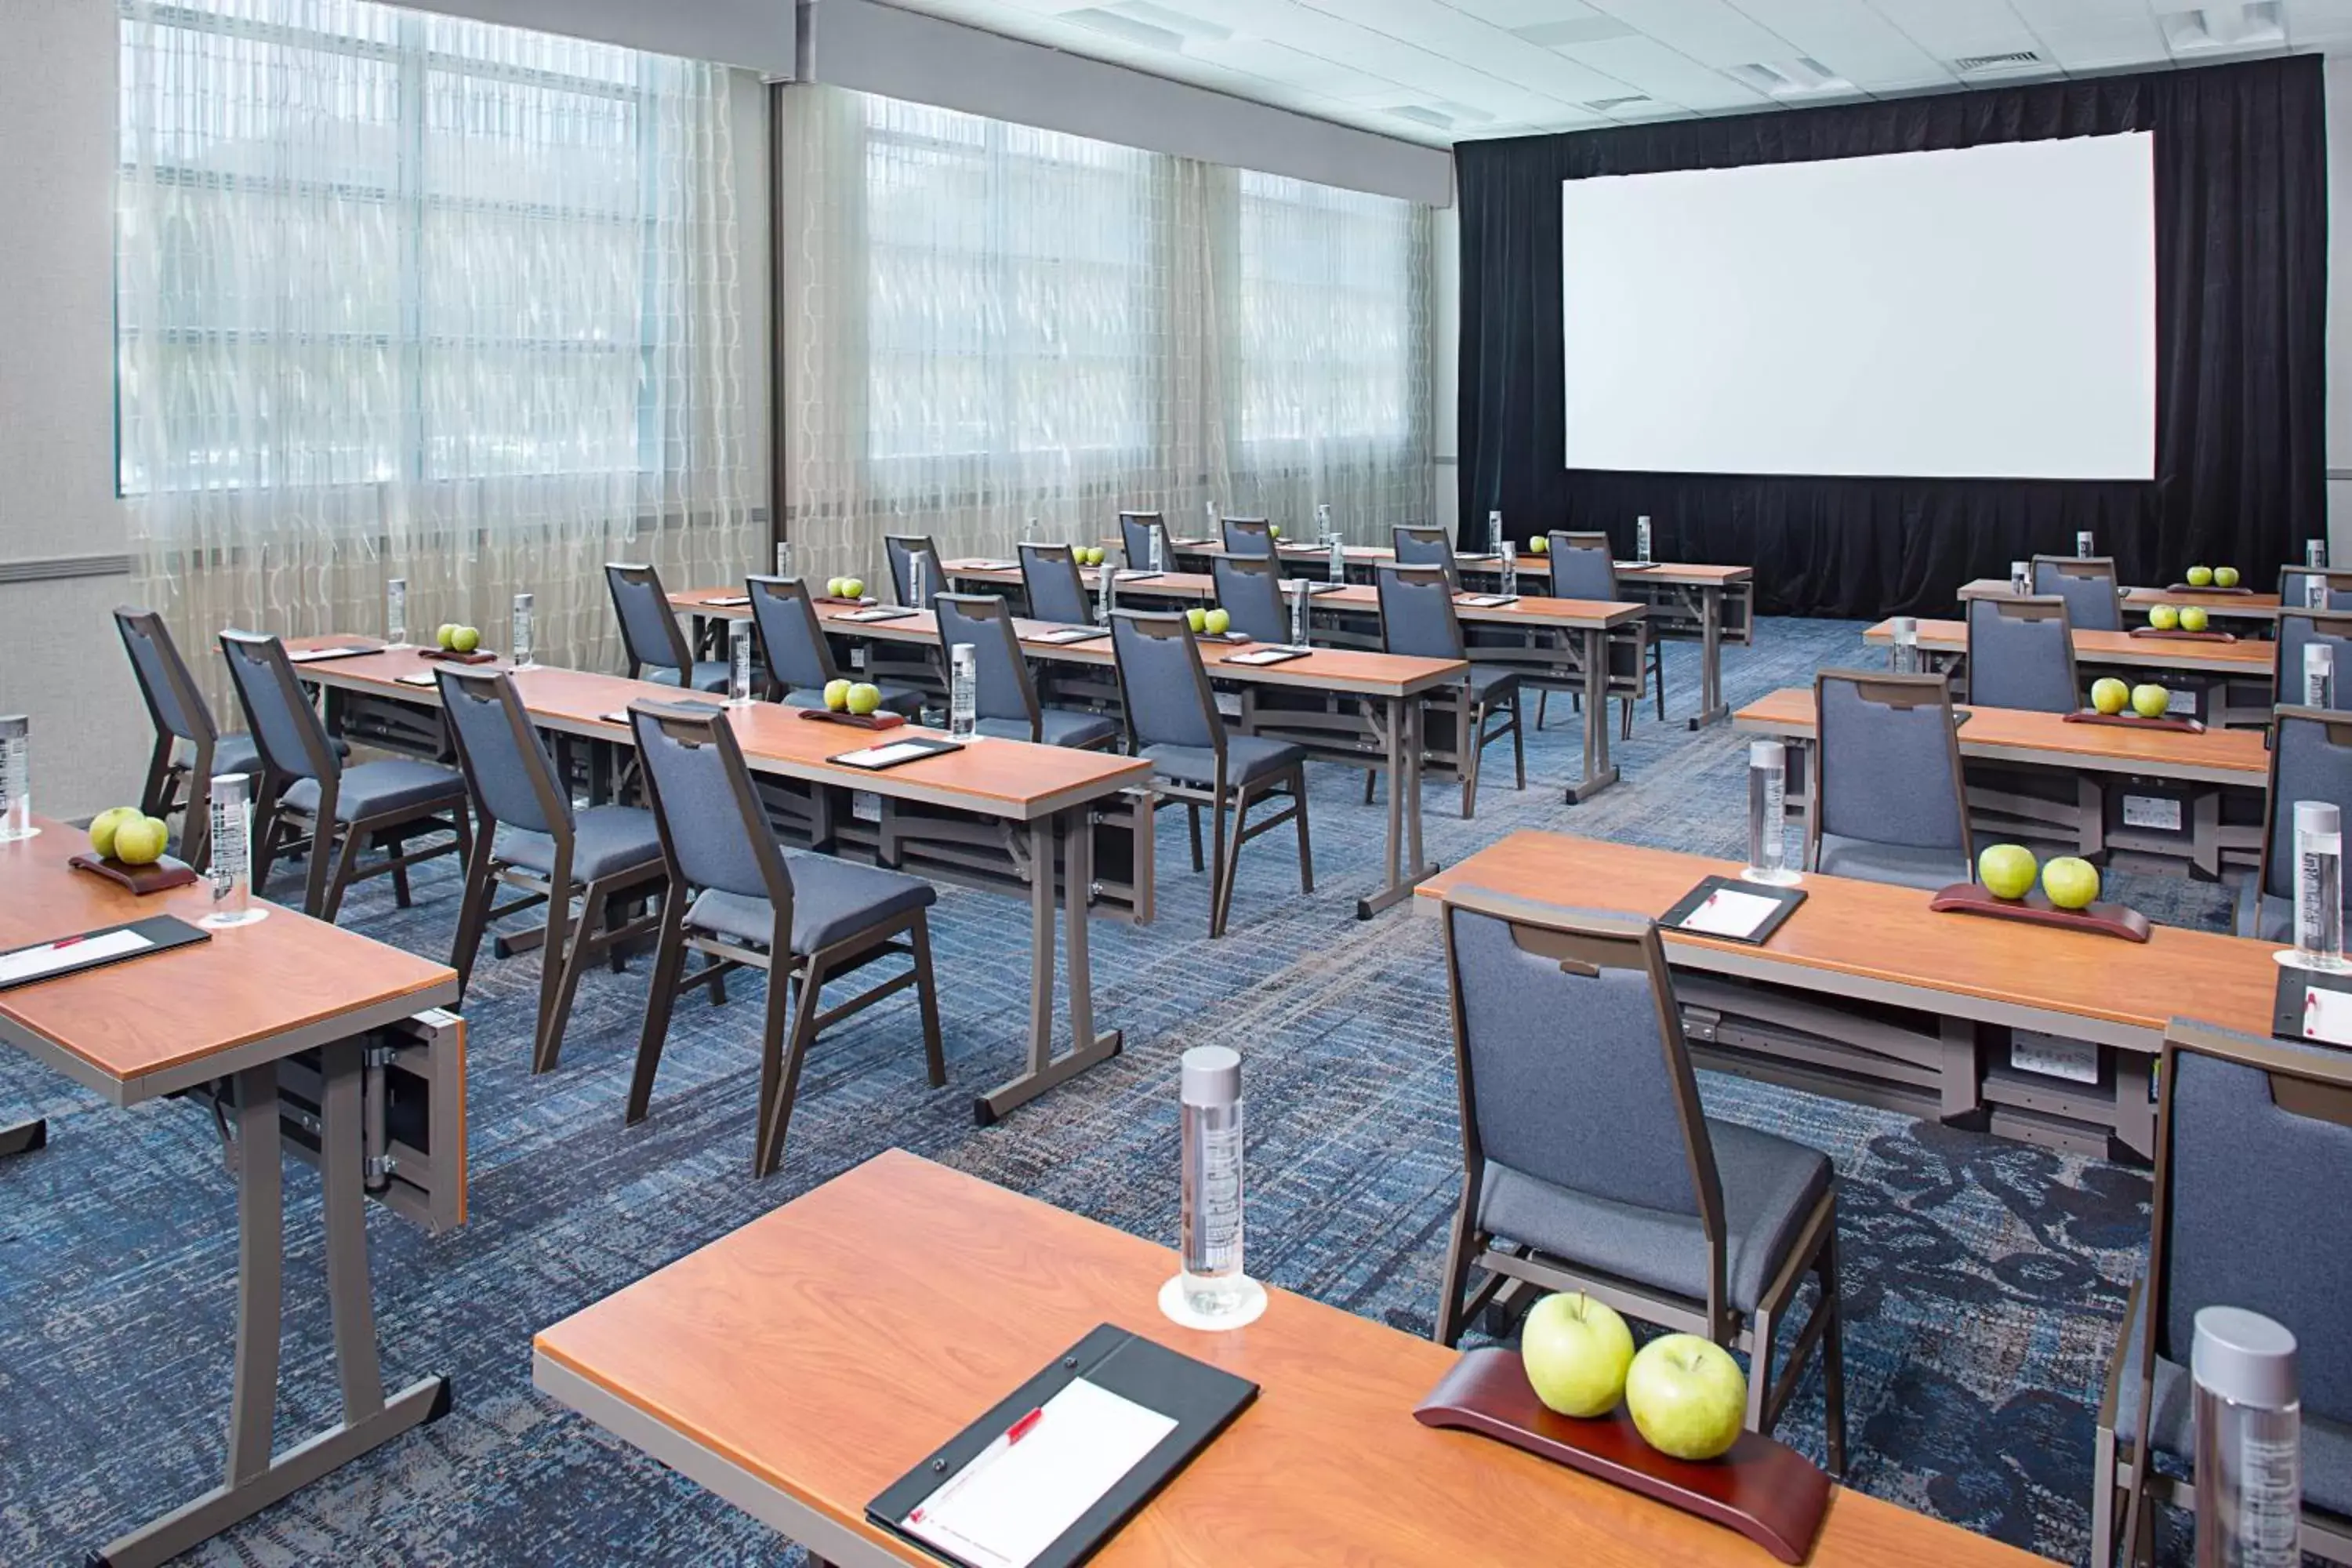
<point x="1985" y="312"/>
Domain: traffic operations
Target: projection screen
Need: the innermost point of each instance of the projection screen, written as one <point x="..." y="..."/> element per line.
<point x="1984" y="312"/>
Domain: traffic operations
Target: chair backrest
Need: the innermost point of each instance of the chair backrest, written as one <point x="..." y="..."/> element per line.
<point x="1249" y="589"/>
<point x="649" y="629"/>
<point x="1570" y="1056"/>
<point x="508" y="770"/>
<point x="1135" y="531"/>
<point x="1002" y="688"/>
<point x="1161" y="683"/>
<point x="173" y="700"/>
<point x="904" y="549"/>
<point x="791" y="633"/>
<point x="1056" y="590"/>
<point x="287" y="731"/>
<point x="1248" y="536"/>
<point x="2311" y="759"/>
<point x="1417" y="614"/>
<point x="1583" y="566"/>
<point x="714" y="832"/>
<point x="2298" y="629"/>
<point x="1419" y="545"/>
<point x="2293" y="594"/>
<point x="1887" y="762"/>
<point x="2021" y="654"/>
<point x="2087" y="584"/>
<point x="2254" y="1138"/>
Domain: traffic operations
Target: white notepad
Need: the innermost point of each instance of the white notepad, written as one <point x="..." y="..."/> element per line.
<point x="32" y="962"/>
<point x="883" y="756"/>
<point x="1730" y="913"/>
<point x="1023" y="1492"/>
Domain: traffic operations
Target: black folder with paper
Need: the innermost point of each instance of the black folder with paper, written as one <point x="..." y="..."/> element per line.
<point x="1050" y="1474"/>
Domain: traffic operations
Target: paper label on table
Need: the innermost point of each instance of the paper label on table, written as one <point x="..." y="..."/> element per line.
<point x="2151" y="811"/>
<point x="49" y="957"/>
<point x="2327" y="1016"/>
<point x="1017" y="1498"/>
<point x="883" y="756"/>
<point x="1728" y="913"/>
<point x="2183" y="705"/>
<point x="2074" y="1060"/>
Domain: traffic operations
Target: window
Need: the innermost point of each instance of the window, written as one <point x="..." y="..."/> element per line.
<point x="1009" y="301"/>
<point x="358" y="245"/>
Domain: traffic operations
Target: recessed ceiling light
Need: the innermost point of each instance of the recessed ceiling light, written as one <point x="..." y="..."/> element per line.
<point x="2253" y="26"/>
<point x="1799" y="77"/>
<point x="1565" y="34"/>
<point x="1128" y="29"/>
<point x="1610" y="105"/>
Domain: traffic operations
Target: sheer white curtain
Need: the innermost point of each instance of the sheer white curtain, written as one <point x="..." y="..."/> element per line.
<point x="986" y="322"/>
<point x="405" y="296"/>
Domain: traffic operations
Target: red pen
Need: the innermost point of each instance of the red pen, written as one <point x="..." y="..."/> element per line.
<point x="1013" y="1434"/>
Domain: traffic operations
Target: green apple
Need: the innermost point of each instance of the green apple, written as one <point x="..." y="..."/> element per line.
<point x="1094" y="556"/>
<point x="1576" y="1351"/>
<point x="1220" y="622"/>
<point x="2070" y="881"/>
<point x="2192" y="617"/>
<point x="852" y="588"/>
<point x="2007" y="871"/>
<point x="2225" y="576"/>
<point x="102" y="826"/>
<point x="834" y="588"/>
<point x="2149" y="700"/>
<point x="465" y="639"/>
<point x="447" y="635"/>
<point x="1687" y="1396"/>
<point x="836" y="696"/>
<point x="1540" y="545"/>
<point x="2164" y="617"/>
<point x="1276" y="530"/>
<point x="864" y="698"/>
<point x="1197" y="618"/>
<point x="2109" y="695"/>
<point x="140" y="840"/>
<point x="2200" y="576"/>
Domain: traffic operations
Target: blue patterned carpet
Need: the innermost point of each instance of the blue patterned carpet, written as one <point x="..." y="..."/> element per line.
<point x="1985" y="1279"/>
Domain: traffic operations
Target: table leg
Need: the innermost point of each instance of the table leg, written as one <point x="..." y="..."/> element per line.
<point x="1087" y="1049"/>
<point x="1403" y="863"/>
<point x="24" y="1138"/>
<point x="1599" y="772"/>
<point x="255" y="1479"/>
<point x="1711" y="705"/>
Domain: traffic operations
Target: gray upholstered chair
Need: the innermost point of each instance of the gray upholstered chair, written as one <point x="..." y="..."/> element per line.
<point x="2298" y="629"/>
<point x="2087" y="584"/>
<point x="307" y="794"/>
<point x="1006" y="698"/>
<point x="2021" y="655"/>
<point x="1588" y="1163"/>
<point x="650" y="635"/>
<point x="1136" y="531"/>
<point x="1249" y="589"/>
<point x="2254" y="1139"/>
<point x="1173" y="723"/>
<point x="1888" y="804"/>
<point x="904" y="549"/>
<point x="2311" y="759"/>
<point x="1420" y="545"/>
<point x="1583" y="566"/>
<point x="189" y="750"/>
<point x="528" y="837"/>
<point x="800" y="659"/>
<point x="2294" y="590"/>
<point x="1049" y="575"/>
<point x="1417" y="618"/>
<point x="735" y="896"/>
<point x="1248" y="536"/>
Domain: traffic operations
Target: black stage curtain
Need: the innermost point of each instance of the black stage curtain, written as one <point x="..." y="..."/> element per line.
<point x="2241" y="319"/>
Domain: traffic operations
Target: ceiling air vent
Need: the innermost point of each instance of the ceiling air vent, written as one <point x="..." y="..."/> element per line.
<point x="1610" y="105"/>
<point x="2010" y="61"/>
<point x="1426" y="116"/>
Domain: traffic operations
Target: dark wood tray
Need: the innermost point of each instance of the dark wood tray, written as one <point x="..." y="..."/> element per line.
<point x="2175" y="635"/>
<point x="854" y="721"/>
<point x="836" y="599"/>
<point x="159" y="876"/>
<point x="2186" y="588"/>
<point x="2035" y="909"/>
<point x="2134" y="722"/>
<point x="1772" y="1495"/>
<point x="451" y="656"/>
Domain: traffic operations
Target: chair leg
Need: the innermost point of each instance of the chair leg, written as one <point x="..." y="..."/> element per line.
<point x="1228" y="856"/>
<point x="1456" y="1278"/>
<point x="1193" y="819"/>
<point x="2103" y="1498"/>
<point x="1833" y="1354"/>
<point x="555" y="950"/>
<point x="1371" y="778"/>
<point x="777" y="1112"/>
<point x="1761" y="1327"/>
<point x="1305" y="848"/>
<point x="1658" y="668"/>
<point x="323" y="847"/>
<point x="346" y="862"/>
<point x="556" y="1012"/>
<point x="1519" y="738"/>
<point x="669" y="958"/>
<point x="152" y="799"/>
<point x="1543" y="701"/>
<point x="927" y="995"/>
<point x="473" y="915"/>
<point x="264" y="844"/>
<point x="1471" y="732"/>
<point x="396" y="845"/>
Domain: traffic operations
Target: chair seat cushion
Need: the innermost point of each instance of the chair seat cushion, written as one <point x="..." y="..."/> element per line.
<point x="832" y="901"/>
<point x="375" y="789"/>
<point x="1489" y="682"/>
<point x="896" y="698"/>
<point x="1055" y="727"/>
<point x="237" y="754"/>
<point x="605" y="841"/>
<point x="1248" y="758"/>
<point x="1898" y="863"/>
<point x="709" y="675"/>
<point x="1771" y="1186"/>
<point x="2171" y="1427"/>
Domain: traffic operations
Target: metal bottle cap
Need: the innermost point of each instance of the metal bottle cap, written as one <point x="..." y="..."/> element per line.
<point x="1767" y="754"/>
<point x="1213" y="1075"/>
<point x="2244" y="1357"/>
<point x="2317" y="817"/>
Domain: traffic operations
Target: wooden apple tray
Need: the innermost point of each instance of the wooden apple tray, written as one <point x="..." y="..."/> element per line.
<point x="451" y="656"/>
<point x="2186" y="588"/>
<point x="1772" y="1495"/>
<point x="2134" y="722"/>
<point x="2175" y="635"/>
<point x="161" y="876"/>
<point x="2035" y="909"/>
<point x="837" y="599"/>
<point x="854" y="721"/>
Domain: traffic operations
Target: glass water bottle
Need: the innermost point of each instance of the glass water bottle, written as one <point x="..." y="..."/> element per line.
<point x="16" y="778"/>
<point x="1212" y="1207"/>
<point x="1493" y="534"/>
<point x="2021" y="578"/>
<point x="963" y="691"/>
<point x="1296" y="588"/>
<point x="739" y="664"/>
<point x="1641" y="539"/>
<point x="2319" y="675"/>
<point x="395" y="612"/>
<point x="917" y="571"/>
<point x="1510" y="553"/>
<point x="1903" y="655"/>
<point x="2315" y="590"/>
<point x="519" y="641"/>
<point x="2318" y="884"/>
<point x="1767" y="813"/>
<point x="2315" y="554"/>
<point x="1029" y="530"/>
<point x="1159" y="547"/>
<point x="1324" y="533"/>
<point x="229" y="871"/>
<point x="2083" y="544"/>
<point x="2249" y="1441"/>
<point x="1103" y="599"/>
<point x="783" y="558"/>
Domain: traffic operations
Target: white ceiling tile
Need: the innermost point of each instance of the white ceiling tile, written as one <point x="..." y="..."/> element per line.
<point x="1847" y="37"/>
<point x="1708" y="31"/>
<point x="1948" y="29"/>
<point x="1525" y="12"/>
<point x="1667" y="75"/>
<point x="2101" y="46"/>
